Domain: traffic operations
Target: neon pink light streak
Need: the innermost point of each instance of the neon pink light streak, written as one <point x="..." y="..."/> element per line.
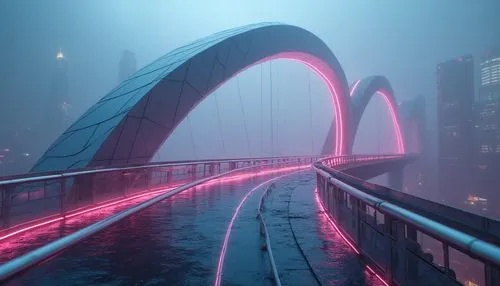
<point x="323" y="209"/>
<point x="376" y="275"/>
<point x="220" y="264"/>
<point x="395" y="122"/>
<point x="354" y="86"/>
<point x="31" y="227"/>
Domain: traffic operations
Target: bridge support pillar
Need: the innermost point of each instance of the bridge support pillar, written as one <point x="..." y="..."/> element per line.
<point x="395" y="179"/>
<point x="6" y="202"/>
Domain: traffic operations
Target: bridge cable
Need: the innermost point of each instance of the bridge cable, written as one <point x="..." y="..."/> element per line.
<point x="277" y="117"/>
<point x="379" y="127"/>
<point x="261" y="111"/>
<point x="311" y="269"/>
<point x="271" y="108"/>
<point x="310" y="111"/>
<point x="220" y="125"/>
<point x="244" y="117"/>
<point x="195" y="152"/>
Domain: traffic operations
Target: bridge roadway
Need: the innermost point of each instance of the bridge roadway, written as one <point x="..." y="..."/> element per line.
<point x="178" y="241"/>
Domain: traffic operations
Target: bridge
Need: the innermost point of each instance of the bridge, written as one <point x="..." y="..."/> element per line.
<point x="95" y="210"/>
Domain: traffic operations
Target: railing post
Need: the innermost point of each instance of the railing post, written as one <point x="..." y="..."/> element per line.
<point x="62" y="196"/>
<point x="193" y="172"/>
<point x="6" y="205"/>
<point x="393" y="251"/>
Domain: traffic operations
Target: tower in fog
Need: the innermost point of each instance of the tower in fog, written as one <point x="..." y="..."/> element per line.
<point x="455" y="99"/>
<point x="58" y="98"/>
<point x="487" y="129"/>
<point x="127" y="66"/>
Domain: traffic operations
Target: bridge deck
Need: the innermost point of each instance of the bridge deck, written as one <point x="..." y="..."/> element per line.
<point x="178" y="241"/>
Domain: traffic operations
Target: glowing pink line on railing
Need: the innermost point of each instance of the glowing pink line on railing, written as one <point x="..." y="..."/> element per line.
<point x="220" y="264"/>
<point x="395" y="122"/>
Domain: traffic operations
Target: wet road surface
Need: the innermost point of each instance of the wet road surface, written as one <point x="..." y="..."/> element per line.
<point x="178" y="242"/>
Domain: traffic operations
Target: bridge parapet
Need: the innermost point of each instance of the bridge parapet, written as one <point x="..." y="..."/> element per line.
<point x="388" y="229"/>
<point x="33" y="200"/>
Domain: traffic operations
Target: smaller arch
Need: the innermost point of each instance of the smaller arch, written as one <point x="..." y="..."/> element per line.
<point x="361" y="92"/>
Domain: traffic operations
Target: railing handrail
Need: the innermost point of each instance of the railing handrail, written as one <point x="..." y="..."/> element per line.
<point x="484" y="228"/>
<point x="35" y="177"/>
<point x="479" y="248"/>
<point x="268" y="240"/>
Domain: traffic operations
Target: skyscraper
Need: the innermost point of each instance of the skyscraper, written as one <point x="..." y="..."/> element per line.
<point x="455" y="99"/>
<point x="487" y="130"/>
<point x="490" y="75"/>
<point x="127" y="66"/>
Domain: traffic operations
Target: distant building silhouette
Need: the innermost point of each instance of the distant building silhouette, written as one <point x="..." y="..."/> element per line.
<point x="412" y="113"/>
<point x="127" y="66"/>
<point x="58" y="101"/>
<point x="455" y="99"/>
<point x="487" y="130"/>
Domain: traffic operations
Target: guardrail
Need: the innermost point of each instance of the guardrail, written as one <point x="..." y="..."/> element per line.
<point x="263" y="231"/>
<point x="387" y="235"/>
<point x="34" y="199"/>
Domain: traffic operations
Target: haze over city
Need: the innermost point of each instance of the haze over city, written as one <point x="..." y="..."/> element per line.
<point x="59" y="58"/>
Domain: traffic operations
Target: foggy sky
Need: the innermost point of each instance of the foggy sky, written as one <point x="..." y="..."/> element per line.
<point x="402" y="40"/>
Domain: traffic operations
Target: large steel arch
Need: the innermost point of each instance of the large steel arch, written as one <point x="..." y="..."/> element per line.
<point x="361" y="91"/>
<point x="131" y="122"/>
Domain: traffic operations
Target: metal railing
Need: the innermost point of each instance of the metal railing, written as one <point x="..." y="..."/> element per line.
<point x="387" y="234"/>
<point x="263" y="231"/>
<point x="32" y="198"/>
